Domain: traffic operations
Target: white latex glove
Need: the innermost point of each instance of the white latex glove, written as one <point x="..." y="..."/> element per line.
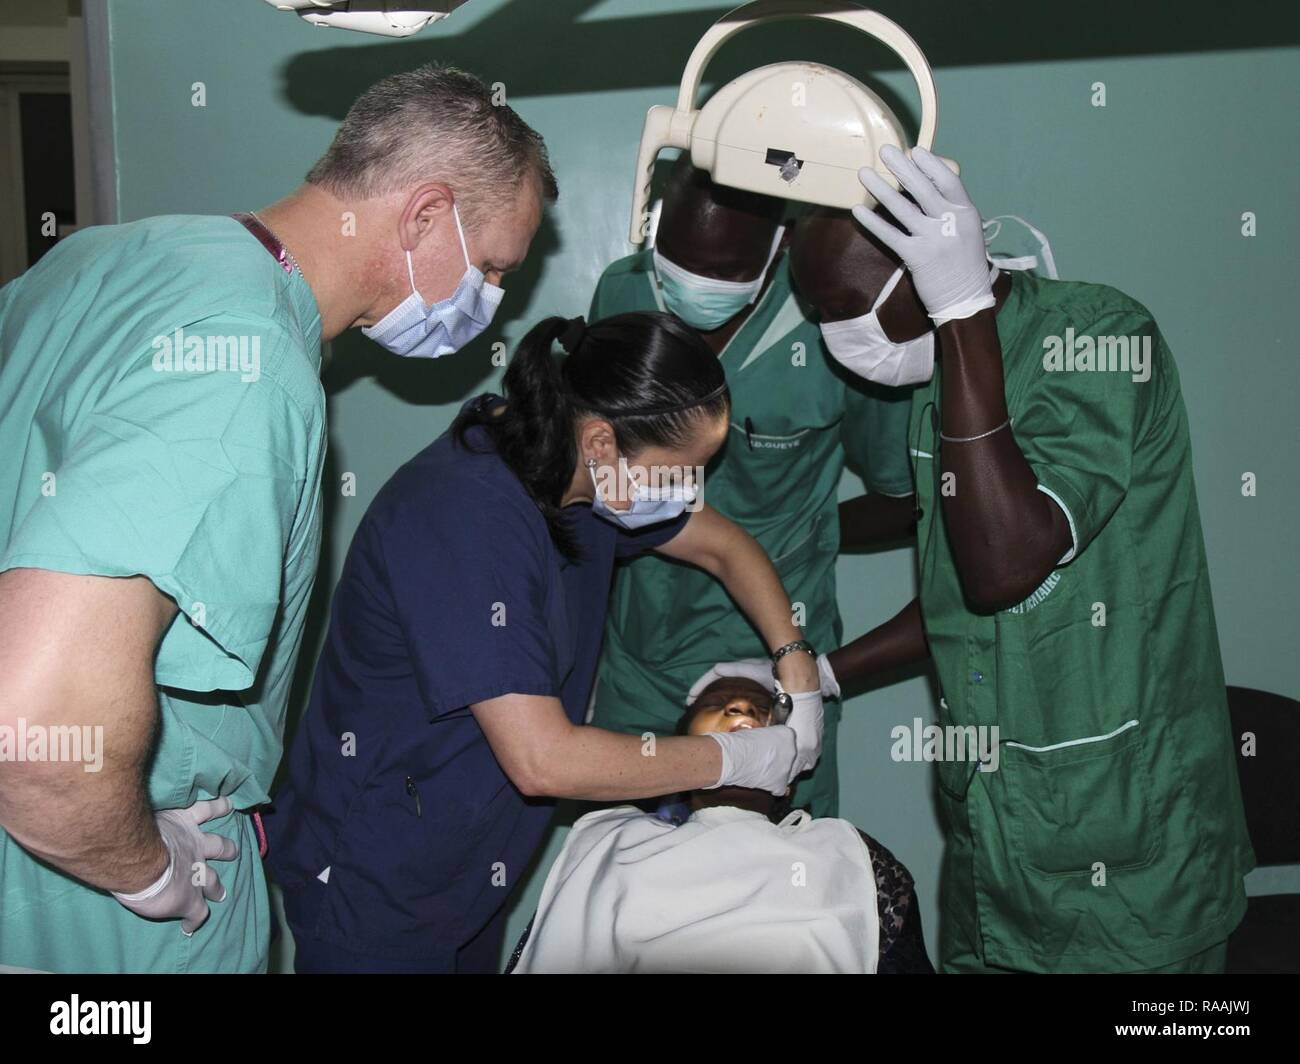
<point x="770" y="758"/>
<point x="762" y="758"/>
<point x="942" y="239"/>
<point x="806" y="721"/>
<point x="174" y="895"/>
<point x="760" y="671"/>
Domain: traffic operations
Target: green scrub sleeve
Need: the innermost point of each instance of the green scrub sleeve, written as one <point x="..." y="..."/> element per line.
<point x="193" y="479"/>
<point x="1079" y="428"/>
<point x="595" y="311"/>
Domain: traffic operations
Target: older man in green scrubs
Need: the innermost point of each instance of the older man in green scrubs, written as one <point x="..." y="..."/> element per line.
<point x="1065" y="600"/>
<point x="163" y="427"/>
<point x="718" y="263"/>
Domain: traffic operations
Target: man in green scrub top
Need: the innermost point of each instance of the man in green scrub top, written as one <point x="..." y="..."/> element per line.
<point x="163" y="426"/>
<point x="719" y="264"/>
<point x="1065" y="601"/>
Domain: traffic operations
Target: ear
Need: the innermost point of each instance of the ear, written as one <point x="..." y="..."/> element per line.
<point x="424" y="209"/>
<point x="596" y="440"/>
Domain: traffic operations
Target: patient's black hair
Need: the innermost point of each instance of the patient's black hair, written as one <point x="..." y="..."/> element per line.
<point x="649" y="374"/>
<point x="781" y="806"/>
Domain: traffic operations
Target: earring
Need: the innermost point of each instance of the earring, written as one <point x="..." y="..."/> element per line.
<point x="591" y="463"/>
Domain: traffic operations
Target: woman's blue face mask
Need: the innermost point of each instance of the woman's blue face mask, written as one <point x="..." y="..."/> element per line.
<point x="649" y="505"/>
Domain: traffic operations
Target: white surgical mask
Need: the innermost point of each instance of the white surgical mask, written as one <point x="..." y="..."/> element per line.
<point x="649" y="506"/>
<point x="707" y="302"/>
<point x="861" y="346"/>
<point x="416" y="331"/>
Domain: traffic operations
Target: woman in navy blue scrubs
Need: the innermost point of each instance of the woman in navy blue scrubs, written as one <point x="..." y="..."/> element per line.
<point x="448" y="705"/>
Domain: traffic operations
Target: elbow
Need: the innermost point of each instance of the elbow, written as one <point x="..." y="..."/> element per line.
<point x="990" y="592"/>
<point x="714" y="563"/>
<point x="531" y="785"/>
<point x="527" y="778"/>
<point x="539" y="776"/>
<point x="997" y="579"/>
<point x="989" y="601"/>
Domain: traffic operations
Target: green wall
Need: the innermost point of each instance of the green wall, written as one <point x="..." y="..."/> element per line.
<point x="1146" y="194"/>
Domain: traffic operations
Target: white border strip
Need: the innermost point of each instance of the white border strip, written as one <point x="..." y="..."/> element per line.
<point x="1074" y="742"/>
<point x="1074" y="532"/>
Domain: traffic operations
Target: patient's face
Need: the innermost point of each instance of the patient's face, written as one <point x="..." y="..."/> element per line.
<point x="730" y="704"/>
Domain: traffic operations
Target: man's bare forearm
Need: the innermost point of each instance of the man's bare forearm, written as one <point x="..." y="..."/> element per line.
<point x="876" y="520"/>
<point x="899" y="642"/>
<point x="76" y="660"/>
<point x="1006" y="535"/>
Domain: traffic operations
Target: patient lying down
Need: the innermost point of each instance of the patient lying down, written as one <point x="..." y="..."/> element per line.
<point x="739" y="883"/>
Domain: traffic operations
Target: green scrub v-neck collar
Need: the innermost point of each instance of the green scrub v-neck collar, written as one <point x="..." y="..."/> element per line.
<point x="301" y="298"/>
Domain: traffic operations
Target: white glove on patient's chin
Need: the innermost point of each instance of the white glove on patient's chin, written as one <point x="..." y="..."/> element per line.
<point x="770" y="758"/>
<point x="762" y="758"/>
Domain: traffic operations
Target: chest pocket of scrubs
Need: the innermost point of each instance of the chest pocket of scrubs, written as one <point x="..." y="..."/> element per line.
<point x="764" y="474"/>
<point x="1082" y="802"/>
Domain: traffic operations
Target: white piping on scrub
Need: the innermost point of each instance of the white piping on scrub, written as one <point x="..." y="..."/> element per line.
<point x="1074" y="742"/>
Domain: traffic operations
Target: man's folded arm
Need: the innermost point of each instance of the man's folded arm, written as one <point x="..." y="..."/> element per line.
<point x="77" y="652"/>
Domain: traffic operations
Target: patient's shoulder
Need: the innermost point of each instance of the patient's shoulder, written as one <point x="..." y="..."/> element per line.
<point x="892" y="876"/>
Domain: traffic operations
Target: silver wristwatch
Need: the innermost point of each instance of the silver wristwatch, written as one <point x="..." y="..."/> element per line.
<point x="784" y="703"/>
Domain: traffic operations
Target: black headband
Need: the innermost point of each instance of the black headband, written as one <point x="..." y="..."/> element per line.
<point x="671" y="408"/>
<point x="572" y="335"/>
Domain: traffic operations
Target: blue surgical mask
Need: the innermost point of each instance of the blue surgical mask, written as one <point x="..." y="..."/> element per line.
<point x="416" y="331"/>
<point x="649" y="505"/>
<point x="706" y="302"/>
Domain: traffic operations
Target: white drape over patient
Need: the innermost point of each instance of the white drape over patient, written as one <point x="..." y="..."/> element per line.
<point x="726" y="891"/>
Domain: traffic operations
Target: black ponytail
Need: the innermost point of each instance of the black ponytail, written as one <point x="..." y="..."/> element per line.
<point x="534" y="436"/>
<point x="649" y="374"/>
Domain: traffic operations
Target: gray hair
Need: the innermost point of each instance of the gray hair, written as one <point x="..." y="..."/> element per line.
<point x="435" y="123"/>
